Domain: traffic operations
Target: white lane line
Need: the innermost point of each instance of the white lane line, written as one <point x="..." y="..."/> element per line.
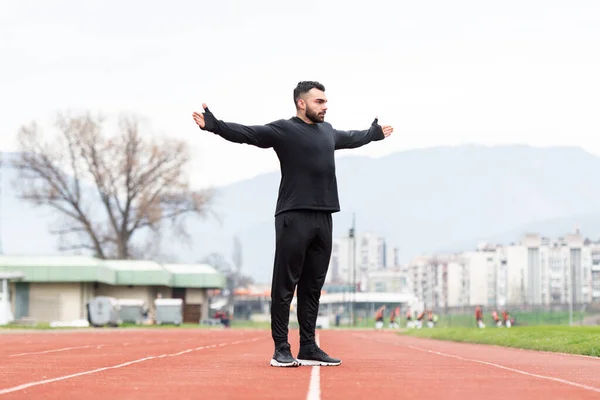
<point x="62" y="378"/>
<point x="314" y="387"/>
<point x="75" y="348"/>
<point x="550" y="378"/>
<point x="56" y="350"/>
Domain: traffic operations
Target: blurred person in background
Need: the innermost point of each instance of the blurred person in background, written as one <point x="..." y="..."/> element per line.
<point x="379" y="317"/>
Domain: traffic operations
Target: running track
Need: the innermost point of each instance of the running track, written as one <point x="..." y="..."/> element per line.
<point x="234" y="364"/>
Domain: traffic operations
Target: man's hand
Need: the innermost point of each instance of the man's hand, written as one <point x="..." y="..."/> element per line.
<point x="199" y="118"/>
<point x="387" y="130"/>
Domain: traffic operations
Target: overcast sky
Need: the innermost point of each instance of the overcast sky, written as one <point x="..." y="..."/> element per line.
<point x="441" y="72"/>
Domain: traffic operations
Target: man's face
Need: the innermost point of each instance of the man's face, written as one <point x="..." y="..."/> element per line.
<point x="316" y="105"/>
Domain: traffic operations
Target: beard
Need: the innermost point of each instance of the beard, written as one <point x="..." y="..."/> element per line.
<point x="314" y="117"/>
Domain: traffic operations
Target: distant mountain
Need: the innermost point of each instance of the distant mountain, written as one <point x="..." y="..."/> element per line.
<point x="420" y="200"/>
<point x="589" y="225"/>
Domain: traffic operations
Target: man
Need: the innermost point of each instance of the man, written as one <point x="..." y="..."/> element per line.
<point x="409" y="317"/>
<point x="507" y="321"/>
<point x="308" y="196"/>
<point x="430" y="319"/>
<point x="393" y="315"/>
<point x="479" y="317"/>
<point x="420" y="319"/>
<point x="496" y="319"/>
<point x="379" y="317"/>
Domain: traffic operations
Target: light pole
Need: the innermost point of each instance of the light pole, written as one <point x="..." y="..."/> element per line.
<point x="570" y="294"/>
<point x="571" y="287"/>
<point x="352" y="235"/>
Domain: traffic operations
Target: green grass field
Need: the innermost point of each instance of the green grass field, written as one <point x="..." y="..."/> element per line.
<point x="583" y="340"/>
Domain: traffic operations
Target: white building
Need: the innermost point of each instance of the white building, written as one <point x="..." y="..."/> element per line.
<point x="595" y="271"/>
<point x="389" y="280"/>
<point x="454" y="291"/>
<point x="477" y="267"/>
<point x="58" y="288"/>
<point x="469" y="278"/>
<point x="367" y="254"/>
<point x="425" y="280"/>
<point x="391" y="257"/>
<point x="537" y="271"/>
<point x="452" y="287"/>
<point x="515" y="258"/>
<point x="559" y="271"/>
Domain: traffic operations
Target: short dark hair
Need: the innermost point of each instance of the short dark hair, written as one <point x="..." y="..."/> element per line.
<point x="304" y="87"/>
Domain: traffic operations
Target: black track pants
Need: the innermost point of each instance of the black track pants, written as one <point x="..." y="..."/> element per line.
<point x="303" y="242"/>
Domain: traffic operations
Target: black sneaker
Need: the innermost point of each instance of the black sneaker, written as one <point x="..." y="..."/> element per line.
<point x="283" y="357"/>
<point x="313" y="355"/>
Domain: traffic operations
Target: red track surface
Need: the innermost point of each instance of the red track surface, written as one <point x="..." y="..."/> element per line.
<point x="233" y="364"/>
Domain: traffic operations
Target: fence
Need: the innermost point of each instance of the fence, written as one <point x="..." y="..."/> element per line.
<point x="523" y="315"/>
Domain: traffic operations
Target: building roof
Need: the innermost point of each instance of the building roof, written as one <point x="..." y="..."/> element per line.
<point x="112" y="272"/>
<point x="11" y="275"/>
<point x="133" y="265"/>
<point x="58" y="269"/>
<point x="139" y="272"/>
<point x="198" y="275"/>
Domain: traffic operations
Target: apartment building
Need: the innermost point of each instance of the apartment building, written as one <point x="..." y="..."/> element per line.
<point x="515" y="277"/>
<point x="425" y="276"/>
<point x="389" y="280"/>
<point x="486" y="274"/>
<point x="469" y="278"/>
<point x="452" y="279"/>
<point x="536" y="271"/>
<point x="354" y="259"/>
<point x="558" y="271"/>
<point x="595" y="271"/>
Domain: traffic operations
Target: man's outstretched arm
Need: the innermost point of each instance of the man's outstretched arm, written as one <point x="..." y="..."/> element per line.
<point x="353" y="139"/>
<point x="260" y="135"/>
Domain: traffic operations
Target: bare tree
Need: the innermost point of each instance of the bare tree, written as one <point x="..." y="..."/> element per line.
<point x="106" y="188"/>
<point x="234" y="278"/>
<point x="218" y="262"/>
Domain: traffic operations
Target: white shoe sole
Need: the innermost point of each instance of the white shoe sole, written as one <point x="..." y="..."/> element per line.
<point x="314" y="363"/>
<point x="275" y="363"/>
